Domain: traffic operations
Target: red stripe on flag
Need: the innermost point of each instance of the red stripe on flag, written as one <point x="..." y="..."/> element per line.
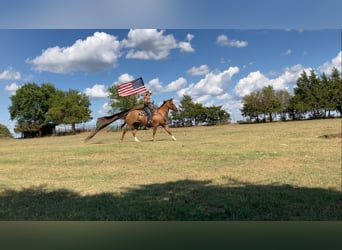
<point x="131" y="88"/>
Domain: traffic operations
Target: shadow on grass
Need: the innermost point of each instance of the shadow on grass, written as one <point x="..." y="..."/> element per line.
<point x="181" y="201"/>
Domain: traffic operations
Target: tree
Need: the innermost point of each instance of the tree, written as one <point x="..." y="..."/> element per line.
<point x="120" y="103"/>
<point x="186" y="107"/>
<point x="303" y="95"/>
<point x="297" y="107"/>
<point x="70" y="107"/>
<point x="266" y="102"/>
<point x="336" y="90"/>
<point x="316" y="101"/>
<point x="30" y="106"/>
<point x="215" y="115"/>
<point x="284" y="98"/>
<point x="189" y="110"/>
<point x="269" y="102"/>
<point x="328" y="100"/>
<point x="252" y="105"/>
<point x="317" y="95"/>
<point x="4" y="132"/>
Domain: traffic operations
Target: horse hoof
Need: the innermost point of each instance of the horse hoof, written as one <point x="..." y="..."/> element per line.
<point x="136" y="139"/>
<point x="173" y="138"/>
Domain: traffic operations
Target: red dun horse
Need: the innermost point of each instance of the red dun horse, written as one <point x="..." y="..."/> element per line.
<point x="159" y="118"/>
<point x="136" y="117"/>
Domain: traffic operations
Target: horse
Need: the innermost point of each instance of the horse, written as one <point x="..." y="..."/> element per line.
<point x="137" y="117"/>
<point x="159" y="118"/>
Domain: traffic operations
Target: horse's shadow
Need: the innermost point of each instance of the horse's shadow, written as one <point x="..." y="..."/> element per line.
<point x="184" y="200"/>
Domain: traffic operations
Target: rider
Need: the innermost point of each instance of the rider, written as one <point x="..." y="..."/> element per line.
<point x="148" y="106"/>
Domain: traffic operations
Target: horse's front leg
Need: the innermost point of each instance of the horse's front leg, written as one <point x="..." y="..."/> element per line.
<point x="168" y="130"/>
<point x="154" y="133"/>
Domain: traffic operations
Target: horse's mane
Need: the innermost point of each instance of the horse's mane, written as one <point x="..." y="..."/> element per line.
<point x="165" y="101"/>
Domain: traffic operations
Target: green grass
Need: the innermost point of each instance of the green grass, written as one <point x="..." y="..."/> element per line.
<point x="278" y="171"/>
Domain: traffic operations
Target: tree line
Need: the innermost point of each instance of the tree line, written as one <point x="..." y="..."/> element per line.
<point x="197" y="113"/>
<point x="314" y="97"/>
<point x="38" y="109"/>
<point x="189" y="112"/>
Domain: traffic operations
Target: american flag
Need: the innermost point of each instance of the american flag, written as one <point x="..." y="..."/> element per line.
<point x="131" y="88"/>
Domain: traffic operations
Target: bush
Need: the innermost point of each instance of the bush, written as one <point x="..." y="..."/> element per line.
<point x="4" y="132"/>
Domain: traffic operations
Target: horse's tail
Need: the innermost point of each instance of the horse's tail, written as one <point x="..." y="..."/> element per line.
<point x="104" y="121"/>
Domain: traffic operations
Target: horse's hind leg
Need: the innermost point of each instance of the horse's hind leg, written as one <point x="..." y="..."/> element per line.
<point x="124" y="132"/>
<point x="134" y="132"/>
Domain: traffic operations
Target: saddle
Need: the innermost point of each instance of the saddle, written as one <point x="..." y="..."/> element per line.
<point x="142" y="112"/>
<point x="141" y="108"/>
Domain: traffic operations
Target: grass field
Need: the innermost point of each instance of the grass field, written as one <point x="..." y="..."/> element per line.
<point x="272" y="171"/>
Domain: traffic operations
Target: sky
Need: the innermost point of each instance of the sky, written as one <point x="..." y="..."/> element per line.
<point x="215" y="63"/>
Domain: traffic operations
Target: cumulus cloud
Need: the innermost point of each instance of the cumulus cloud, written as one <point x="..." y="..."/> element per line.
<point x="123" y="78"/>
<point x="333" y="63"/>
<point x="105" y="108"/>
<point x="97" y="91"/>
<point x="10" y="74"/>
<point x="186" y="46"/>
<point x="157" y="87"/>
<point x="153" y="44"/>
<point x="97" y="52"/>
<point x="223" y="40"/>
<point x="12" y="88"/>
<point x="201" y="70"/>
<point x="257" y="80"/>
<point x="213" y="83"/>
<point x="254" y="80"/>
<point x="176" y="85"/>
<point x="102" y="51"/>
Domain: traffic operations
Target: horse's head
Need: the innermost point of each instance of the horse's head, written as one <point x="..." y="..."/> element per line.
<point x="171" y="105"/>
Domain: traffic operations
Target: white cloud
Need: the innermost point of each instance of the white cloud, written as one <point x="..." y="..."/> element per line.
<point x="333" y="63"/>
<point x="105" y="108"/>
<point x="176" y="85"/>
<point x="157" y="87"/>
<point x="186" y="46"/>
<point x="97" y="52"/>
<point x="201" y="70"/>
<point x="288" y="77"/>
<point x="204" y="99"/>
<point x="151" y="44"/>
<point x="97" y="91"/>
<point x="101" y="51"/>
<point x="12" y="88"/>
<point x="286" y="53"/>
<point x="256" y="80"/>
<point x="213" y="83"/>
<point x="223" y="40"/>
<point x="10" y="74"/>
<point x="123" y="79"/>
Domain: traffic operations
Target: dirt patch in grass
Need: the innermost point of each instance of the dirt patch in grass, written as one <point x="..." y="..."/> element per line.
<point x="331" y="136"/>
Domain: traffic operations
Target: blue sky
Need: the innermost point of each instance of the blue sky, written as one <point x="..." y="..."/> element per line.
<point x="216" y="60"/>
